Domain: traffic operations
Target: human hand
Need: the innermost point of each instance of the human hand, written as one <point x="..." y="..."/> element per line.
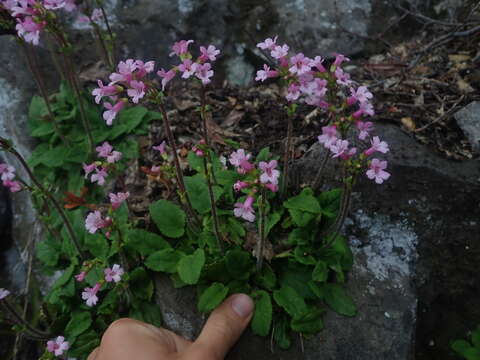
<point x="128" y="339"/>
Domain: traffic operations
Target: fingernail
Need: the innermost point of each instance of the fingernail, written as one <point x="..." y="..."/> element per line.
<point x="242" y="305"/>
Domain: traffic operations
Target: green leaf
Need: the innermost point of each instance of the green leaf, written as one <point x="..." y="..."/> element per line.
<point x="301" y="218"/>
<point x="197" y="190"/>
<point x="66" y="276"/>
<point x="79" y="323"/>
<point x="132" y="117"/>
<point x="84" y="344"/>
<point x="476" y="337"/>
<point x="267" y="278"/>
<point x="97" y="245"/>
<point x="239" y="264"/>
<point x="262" y="318"/>
<point x="140" y="283"/>
<point x="272" y="220"/>
<point x="297" y="277"/>
<point x="145" y="242"/>
<point x="290" y="301"/>
<point x="305" y="201"/>
<point x="330" y="202"/>
<point x="164" y="260"/>
<point x="465" y="349"/>
<point x="195" y="162"/>
<point x="45" y="128"/>
<point x="263" y="155"/>
<point x="212" y="297"/>
<point x="36" y="110"/>
<point x="308" y="323"/>
<point x="303" y="255"/>
<point x="168" y="217"/>
<point x="190" y="267"/>
<point x="281" y="333"/>
<point x="339" y="300"/>
<point x="110" y="303"/>
<point x="48" y="251"/>
<point x="55" y="157"/>
<point x="320" y="273"/>
<point x="147" y="312"/>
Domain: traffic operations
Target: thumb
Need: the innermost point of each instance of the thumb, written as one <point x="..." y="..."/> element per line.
<point x="224" y="327"/>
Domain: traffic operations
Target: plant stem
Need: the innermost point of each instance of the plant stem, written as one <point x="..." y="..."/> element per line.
<point x="109" y="29"/>
<point x="180" y="181"/>
<point x="286" y="156"/>
<point x="261" y="242"/>
<point x="206" y="135"/>
<point x="20" y="320"/>
<point x="33" y="65"/>
<point x="4" y="143"/>
<point x="216" y="225"/>
<point x="318" y="178"/>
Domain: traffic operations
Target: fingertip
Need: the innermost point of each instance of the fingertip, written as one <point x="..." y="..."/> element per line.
<point x="242" y="305"/>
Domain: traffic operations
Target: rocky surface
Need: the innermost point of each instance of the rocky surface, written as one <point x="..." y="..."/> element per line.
<point x="468" y="119"/>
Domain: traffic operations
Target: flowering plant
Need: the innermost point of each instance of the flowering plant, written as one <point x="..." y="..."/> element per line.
<point x="233" y="223"/>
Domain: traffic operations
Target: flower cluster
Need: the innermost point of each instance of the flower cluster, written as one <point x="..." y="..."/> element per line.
<point x="30" y="15"/>
<point x="130" y="82"/>
<point x="58" y="346"/>
<point x="308" y="81"/>
<point x="99" y="169"/>
<point x="265" y="176"/>
<point x="89" y="294"/>
<point x="7" y="175"/>
<point x="95" y="221"/>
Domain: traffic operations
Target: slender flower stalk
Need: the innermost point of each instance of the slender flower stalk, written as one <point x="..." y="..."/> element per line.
<point x="319" y="177"/>
<point x="287" y="154"/>
<point x="17" y="318"/>
<point x="110" y="32"/>
<point x="7" y="147"/>
<point x="179" y="174"/>
<point x="261" y="224"/>
<point x="33" y="65"/>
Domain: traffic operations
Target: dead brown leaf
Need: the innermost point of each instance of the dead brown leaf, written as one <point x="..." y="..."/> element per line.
<point x="233" y="118"/>
<point x="408" y="123"/>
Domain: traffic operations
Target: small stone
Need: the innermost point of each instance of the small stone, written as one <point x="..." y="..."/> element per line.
<point x="387" y="315"/>
<point x="468" y="119"/>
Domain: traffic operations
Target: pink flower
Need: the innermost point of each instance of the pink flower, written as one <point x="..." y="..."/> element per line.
<point x="166" y="77"/>
<point x="366" y="108"/>
<point x="29" y="30"/>
<point x="13" y="186"/>
<point x="204" y="73"/>
<point x="89" y="168"/>
<point x="266" y="73"/>
<point x="339" y="59"/>
<point x="161" y="147"/>
<point x="377" y="145"/>
<point x="99" y="176"/>
<point x="144" y="68"/>
<point x="300" y="64"/>
<point x="270" y="174"/>
<point x="181" y="47"/>
<point x="102" y="91"/>
<point x="125" y="72"/>
<point x="94" y="221"/>
<point x="104" y="150"/>
<point x="293" y="92"/>
<point x="279" y="52"/>
<point x="317" y="62"/>
<point x="80" y="277"/>
<point x="4" y="293"/>
<point x="209" y="53"/>
<point x="70" y="6"/>
<point x="272" y="187"/>
<point x="245" y="167"/>
<point x="117" y="199"/>
<point x="339" y="148"/>
<point x="53" y="4"/>
<point x="7" y="172"/>
<point x="268" y="44"/>
<point x="112" y="111"/>
<point x="23" y="7"/>
<point x="113" y="274"/>
<point x="239" y="185"/>
<point x="58" y="346"/>
<point x="188" y="68"/>
<point x="376" y="171"/>
<point x="329" y="136"/>
<point x="137" y="90"/>
<point x="238" y="156"/>
<point x="245" y="210"/>
<point x="365" y="128"/>
<point x="361" y="95"/>
<point x="90" y="295"/>
<point x="343" y="78"/>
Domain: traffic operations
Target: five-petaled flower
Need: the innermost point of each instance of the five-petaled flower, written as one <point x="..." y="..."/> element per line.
<point x="117" y="199"/>
<point x="94" y="221"/>
<point x="270" y="174"/>
<point x="113" y="274"/>
<point x="58" y="346"/>
<point x="376" y="171"/>
<point x="90" y="295"/>
<point x="245" y="209"/>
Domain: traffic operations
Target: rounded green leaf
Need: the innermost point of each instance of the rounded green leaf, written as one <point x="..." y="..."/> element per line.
<point x="308" y="323"/>
<point x="339" y="300"/>
<point x="239" y="264"/>
<point x="290" y="301"/>
<point x="212" y="297"/>
<point x="169" y="218"/>
<point x="190" y="267"/>
<point x="320" y="273"/>
<point x="164" y="260"/>
<point x="78" y="324"/>
<point x="305" y="201"/>
<point x="262" y="318"/>
<point x="145" y="242"/>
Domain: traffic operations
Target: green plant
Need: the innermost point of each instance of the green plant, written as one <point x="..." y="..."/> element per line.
<point x="469" y="350"/>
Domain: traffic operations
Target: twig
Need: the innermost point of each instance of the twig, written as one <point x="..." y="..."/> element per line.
<point x="440" y="118"/>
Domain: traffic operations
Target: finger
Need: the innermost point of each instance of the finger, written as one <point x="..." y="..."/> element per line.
<point x="93" y="354"/>
<point x="125" y="337"/>
<point x="223" y="328"/>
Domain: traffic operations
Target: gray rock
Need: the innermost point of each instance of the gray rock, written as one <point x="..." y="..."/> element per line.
<point x="468" y="119"/>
